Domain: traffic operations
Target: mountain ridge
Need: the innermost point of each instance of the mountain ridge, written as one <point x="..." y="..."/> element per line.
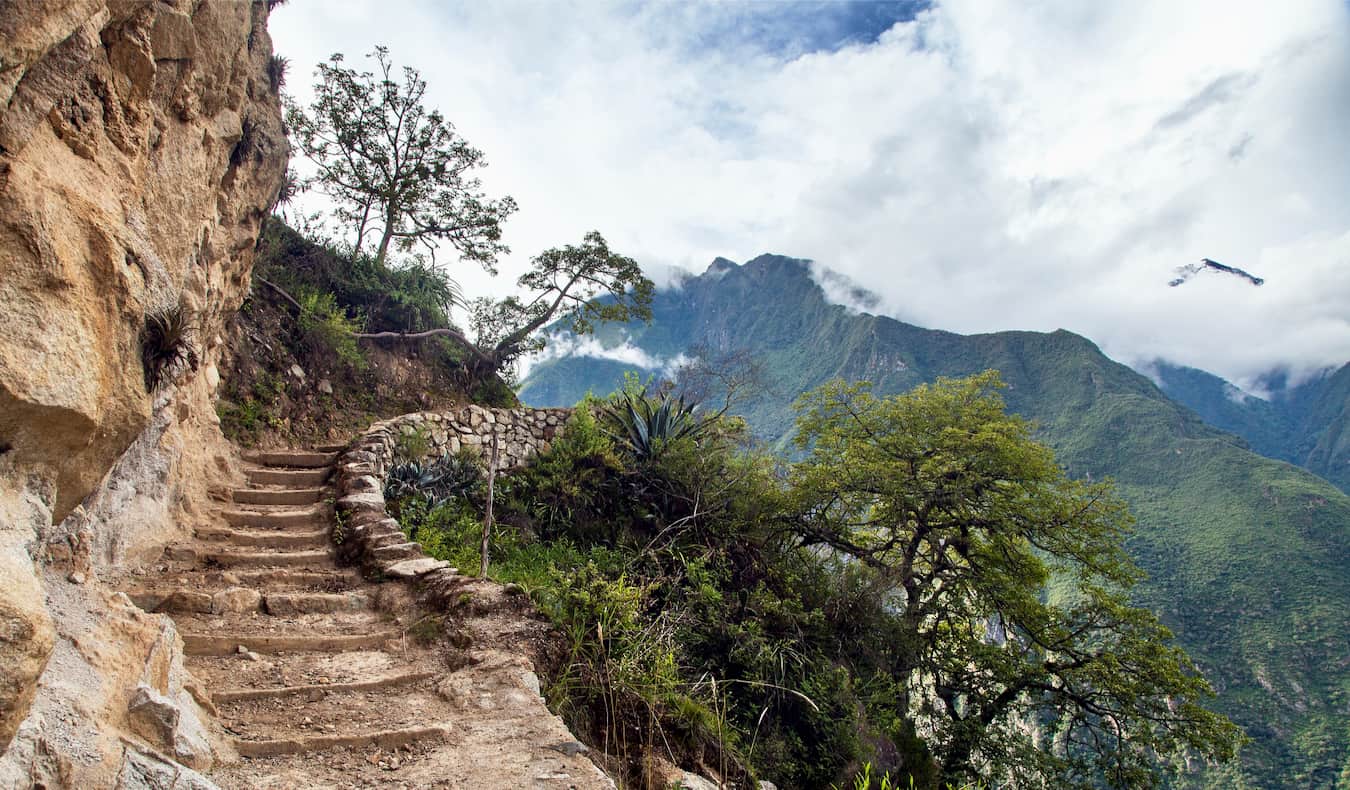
<point x="1220" y="527"/>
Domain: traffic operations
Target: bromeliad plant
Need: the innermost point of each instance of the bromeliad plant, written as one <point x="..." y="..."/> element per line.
<point x="166" y="346"/>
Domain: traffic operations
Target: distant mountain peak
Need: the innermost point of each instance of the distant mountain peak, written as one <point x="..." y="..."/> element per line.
<point x="721" y="266"/>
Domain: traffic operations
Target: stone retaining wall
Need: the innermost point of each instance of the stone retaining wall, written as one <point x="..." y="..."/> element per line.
<point x="370" y="536"/>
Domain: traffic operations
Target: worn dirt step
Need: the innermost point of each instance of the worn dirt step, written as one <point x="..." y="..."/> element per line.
<point x="235" y="671"/>
<point x="287" y="478"/>
<point x="273" y="496"/>
<point x="189" y="600"/>
<point x="292" y="459"/>
<point x="268" y="539"/>
<point x="314" y="516"/>
<point x="318" y="690"/>
<point x="385" y="739"/>
<point x="354" y="711"/>
<point x="262" y="559"/>
<point x="215" y="643"/>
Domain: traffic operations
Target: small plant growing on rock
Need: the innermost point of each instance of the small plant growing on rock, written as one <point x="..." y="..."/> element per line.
<point x="276" y="71"/>
<point x="414" y="445"/>
<point x="166" y="346"/>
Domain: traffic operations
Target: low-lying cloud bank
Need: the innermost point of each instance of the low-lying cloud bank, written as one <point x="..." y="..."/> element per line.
<point x="562" y="345"/>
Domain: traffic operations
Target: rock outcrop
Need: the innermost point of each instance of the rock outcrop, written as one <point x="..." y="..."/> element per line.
<point x="140" y="148"/>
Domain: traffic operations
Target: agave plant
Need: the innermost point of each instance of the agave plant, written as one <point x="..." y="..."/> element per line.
<point x="644" y="425"/>
<point x="438" y="480"/>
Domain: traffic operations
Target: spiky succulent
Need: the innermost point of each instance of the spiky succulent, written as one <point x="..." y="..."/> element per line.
<point x="166" y="346"/>
<point x="644" y="425"/>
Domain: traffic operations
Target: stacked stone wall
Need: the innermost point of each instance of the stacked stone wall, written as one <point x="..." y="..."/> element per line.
<point x="369" y="535"/>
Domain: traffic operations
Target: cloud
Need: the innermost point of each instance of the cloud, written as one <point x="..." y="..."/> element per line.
<point x="980" y="166"/>
<point x="562" y="345"/>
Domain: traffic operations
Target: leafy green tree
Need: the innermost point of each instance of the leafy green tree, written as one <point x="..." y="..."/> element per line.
<point x="398" y="172"/>
<point x="581" y="284"/>
<point x="1019" y="657"/>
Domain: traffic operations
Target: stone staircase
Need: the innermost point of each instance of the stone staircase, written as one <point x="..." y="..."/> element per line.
<point x="319" y="677"/>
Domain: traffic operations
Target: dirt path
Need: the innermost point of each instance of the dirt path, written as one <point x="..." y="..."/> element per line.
<point x="322" y="679"/>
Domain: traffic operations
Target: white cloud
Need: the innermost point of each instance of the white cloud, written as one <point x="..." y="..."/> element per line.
<point x="562" y="345"/>
<point x="985" y="166"/>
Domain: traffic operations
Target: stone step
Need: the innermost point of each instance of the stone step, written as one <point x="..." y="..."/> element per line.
<point x="288" y="478"/>
<point x="336" y="447"/>
<point x="214" y="643"/>
<point x="223" y="600"/>
<point x="270" y="496"/>
<point x="330" y="580"/>
<point x="269" y="539"/>
<point x="397" y="551"/>
<point x="314" y="516"/>
<point x="237" y="695"/>
<point x="385" y="739"/>
<point x="292" y="459"/>
<point x="264" y="559"/>
<point x="288" y="604"/>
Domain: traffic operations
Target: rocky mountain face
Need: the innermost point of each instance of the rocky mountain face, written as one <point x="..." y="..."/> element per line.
<point x="1245" y="554"/>
<point x="140" y="148"/>
<point x="1306" y="423"/>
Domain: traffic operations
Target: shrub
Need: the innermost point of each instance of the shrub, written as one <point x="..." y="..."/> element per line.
<point x="326" y="330"/>
<point x="412" y="445"/>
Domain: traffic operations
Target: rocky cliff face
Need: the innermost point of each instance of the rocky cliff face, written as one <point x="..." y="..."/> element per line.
<point x="140" y="147"/>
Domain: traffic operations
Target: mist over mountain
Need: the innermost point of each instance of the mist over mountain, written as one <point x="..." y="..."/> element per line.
<point x="1306" y="423"/>
<point x="1245" y="553"/>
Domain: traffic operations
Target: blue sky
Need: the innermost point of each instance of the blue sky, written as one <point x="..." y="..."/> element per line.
<point x="792" y="28"/>
<point x="980" y="165"/>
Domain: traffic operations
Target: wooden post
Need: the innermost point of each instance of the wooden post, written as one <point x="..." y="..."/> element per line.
<point x="487" y="518"/>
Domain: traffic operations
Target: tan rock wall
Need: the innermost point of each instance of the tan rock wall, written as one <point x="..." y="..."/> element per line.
<point x="140" y="147"/>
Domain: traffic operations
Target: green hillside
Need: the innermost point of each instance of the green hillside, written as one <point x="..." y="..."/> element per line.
<point x="1306" y="424"/>
<point x="1247" y="555"/>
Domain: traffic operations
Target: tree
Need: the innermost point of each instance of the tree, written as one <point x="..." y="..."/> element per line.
<point x="580" y="285"/>
<point x="1019" y="656"/>
<point x="398" y="172"/>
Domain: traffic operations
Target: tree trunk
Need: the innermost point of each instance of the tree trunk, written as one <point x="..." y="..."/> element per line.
<point x="487" y="518"/>
<point x="390" y="220"/>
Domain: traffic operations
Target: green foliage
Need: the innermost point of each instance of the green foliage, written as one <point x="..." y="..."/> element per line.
<point x="166" y="346"/>
<point x="435" y="481"/>
<point x="578" y="285"/>
<point x="397" y="171"/>
<point x="645" y="426"/>
<point x="923" y="593"/>
<point x="326" y="330"/>
<point x="243" y="421"/>
<point x="410" y="296"/>
<point x="968" y="520"/>
<point x="413" y="444"/>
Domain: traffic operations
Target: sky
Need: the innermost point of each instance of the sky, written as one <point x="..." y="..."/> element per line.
<point x="981" y="166"/>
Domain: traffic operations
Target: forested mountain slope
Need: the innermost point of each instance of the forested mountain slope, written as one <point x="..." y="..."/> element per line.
<point x="1307" y="424"/>
<point x="1246" y="554"/>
